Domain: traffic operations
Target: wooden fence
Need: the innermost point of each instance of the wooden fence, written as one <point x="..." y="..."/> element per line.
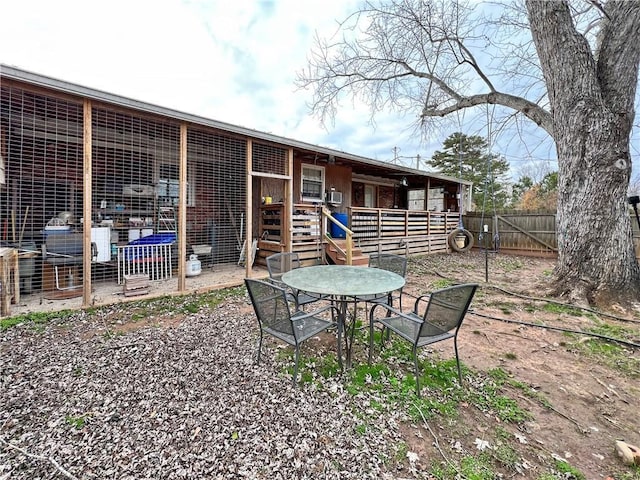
<point x="520" y="232"/>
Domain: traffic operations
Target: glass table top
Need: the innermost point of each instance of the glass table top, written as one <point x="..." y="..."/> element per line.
<point x="343" y="280"/>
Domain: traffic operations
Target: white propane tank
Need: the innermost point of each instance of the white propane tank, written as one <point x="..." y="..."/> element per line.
<point x="194" y="266"/>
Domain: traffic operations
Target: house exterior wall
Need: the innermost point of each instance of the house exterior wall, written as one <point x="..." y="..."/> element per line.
<point x="141" y="157"/>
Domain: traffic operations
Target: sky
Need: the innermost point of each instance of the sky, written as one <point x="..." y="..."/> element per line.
<point x="233" y="61"/>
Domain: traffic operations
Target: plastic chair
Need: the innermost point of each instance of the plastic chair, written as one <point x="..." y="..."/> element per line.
<point x="280" y="263"/>
<point x="440" y="321"/>
<point x="271" y="306"/>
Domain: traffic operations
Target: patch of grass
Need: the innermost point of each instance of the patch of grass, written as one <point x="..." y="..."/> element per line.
<point x="186" y="304"/>
<point x="568" y="471"/>
<point x="37" y="319"/>
<point x="506" y="455"/>
<point x="530" y="392"/>
<point x="488" y="398"/>
<point x="614" y="331"/>
<point x="77" y="422"/>
<point x="442" y="283"/>
<point x="560" y="309"/>
<point x="508" y="264"/>
<point x="328" y="366"/>
<point x="477" y="468"/>
<point x="7" y="323"/>
<point x="401" y="451"/>
<point x="610" y="353"/>
<point x="510" y="356"/>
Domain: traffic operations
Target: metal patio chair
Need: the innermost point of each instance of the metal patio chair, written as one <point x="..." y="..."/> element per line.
<point x="443" y="315"/>
<point x="280" y="263"/>
<point x="392" y="263"/>
<point x="271" y="306"/>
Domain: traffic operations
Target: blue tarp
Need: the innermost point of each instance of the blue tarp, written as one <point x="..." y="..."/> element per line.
<point x="165" y="238"/>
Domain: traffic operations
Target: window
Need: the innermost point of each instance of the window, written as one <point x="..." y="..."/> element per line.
<point x="312" y="183"/>
<point x="370" y="196"/>
<point x="416" y="199"/>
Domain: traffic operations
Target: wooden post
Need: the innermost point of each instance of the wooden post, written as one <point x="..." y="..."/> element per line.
<point x="288" y="207"/>
<point x="87" y="197"/>
<point x="249" y="203"/>
<point x="182" y="211"/>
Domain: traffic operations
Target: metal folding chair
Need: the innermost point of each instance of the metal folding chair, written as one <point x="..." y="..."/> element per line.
<point x="445" y="310"/>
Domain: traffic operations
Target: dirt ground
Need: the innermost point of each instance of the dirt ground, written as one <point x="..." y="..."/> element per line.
<point x="591" y="403"/>
<point x="581" y="402"/>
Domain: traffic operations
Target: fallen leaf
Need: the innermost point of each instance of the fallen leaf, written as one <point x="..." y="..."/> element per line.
<point x="521" y="438"/>
<point x="413" y="457"/>
<point x="482" y="444"/>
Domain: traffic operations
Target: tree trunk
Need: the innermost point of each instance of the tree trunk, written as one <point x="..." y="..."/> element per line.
<point x="591" y="99"/>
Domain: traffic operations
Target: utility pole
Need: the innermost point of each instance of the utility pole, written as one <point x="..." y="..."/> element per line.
<point x="395" y="155"/>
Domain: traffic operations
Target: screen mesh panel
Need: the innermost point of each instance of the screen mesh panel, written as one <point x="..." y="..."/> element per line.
<point x="132" y="156"/>
<point x="269" y="159"/>
<point x="41" y="151"/>
<point x="216" y="221"/>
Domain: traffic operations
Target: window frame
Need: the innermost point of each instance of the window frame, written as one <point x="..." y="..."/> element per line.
<point x="307" y="198"/>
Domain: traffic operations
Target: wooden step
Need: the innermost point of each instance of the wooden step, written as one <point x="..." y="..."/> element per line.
<point x="361" y="260"/>
<point x="357" y="256"/>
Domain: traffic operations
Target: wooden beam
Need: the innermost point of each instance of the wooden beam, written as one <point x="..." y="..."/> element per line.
<point x="271" y="175"/>
<point x="182" y="211"/>
<point x="86" y="203"/>
<point x="249" y="204"/>
<point x="288" y="200"/>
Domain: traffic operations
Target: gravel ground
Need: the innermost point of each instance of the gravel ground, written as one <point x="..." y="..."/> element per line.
<point x="179" y="401"/>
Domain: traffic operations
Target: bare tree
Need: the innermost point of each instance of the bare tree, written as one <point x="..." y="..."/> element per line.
<point x="571" y="68"/>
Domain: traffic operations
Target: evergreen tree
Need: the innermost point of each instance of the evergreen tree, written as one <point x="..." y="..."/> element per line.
<point x="537" y="196"/>
<point x="519" y="188"/>
<point x="466" y="157"/>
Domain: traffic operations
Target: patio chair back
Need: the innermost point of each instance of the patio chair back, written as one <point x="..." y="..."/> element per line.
<point x="272" y="309"/>
<point x="446" y="310"/>
<point x="280" y="263"/>
<point x="390" y="262"/>
<point x="274" y="318"/>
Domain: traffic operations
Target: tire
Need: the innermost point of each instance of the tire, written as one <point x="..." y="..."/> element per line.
<point x="468" y="244"/>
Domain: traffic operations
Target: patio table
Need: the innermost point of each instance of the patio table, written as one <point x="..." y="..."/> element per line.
<point x="343" y="284"/>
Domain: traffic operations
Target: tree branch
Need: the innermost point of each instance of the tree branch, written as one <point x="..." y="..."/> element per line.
<point x="51" y="460"/>
<point x="529" y="109"/>
<point x="618" y="56"/>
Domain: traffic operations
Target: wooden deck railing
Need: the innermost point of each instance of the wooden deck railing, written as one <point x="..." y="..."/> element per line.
<point x="348" y="250"/>
<point x="385" y="223"/>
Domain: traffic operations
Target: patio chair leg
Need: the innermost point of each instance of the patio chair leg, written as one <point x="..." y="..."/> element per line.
<point x="415" y="364"/>
<point x="259" y="348"/>
<point x="295" y="368"/>
<point x="370" y="339"/>
<point x="455" y="344"/>
<point x="339" y="331"/>
<point x="340" y="346"/>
